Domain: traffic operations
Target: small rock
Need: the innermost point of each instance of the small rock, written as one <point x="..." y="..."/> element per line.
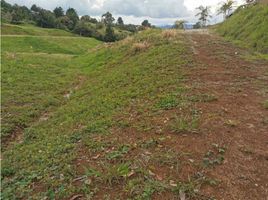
<point x="172" y="183"/>
<point x="88" y="181"/>
<point x="191" y="160"/>
<point x="151" y="173"/>
<point x="76" y="197"/>
<point x="131" y="173"/>
<point x="96" y="157"/>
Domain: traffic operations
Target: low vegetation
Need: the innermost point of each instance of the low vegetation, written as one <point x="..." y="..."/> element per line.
<point x="64" y="98"/>
<point x="248" y="26"/>
<point x="32" y="64"/>
<point x="145" y="117"/>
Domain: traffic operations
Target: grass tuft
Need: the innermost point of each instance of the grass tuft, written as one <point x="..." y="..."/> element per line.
<point x="141" y="46"/>
<point x="169" y="34"/>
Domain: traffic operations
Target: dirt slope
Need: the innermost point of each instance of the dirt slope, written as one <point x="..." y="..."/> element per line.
<point x="237" y="119"/>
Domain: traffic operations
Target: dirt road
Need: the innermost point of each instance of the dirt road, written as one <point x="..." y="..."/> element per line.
<point x="237" y="119"/>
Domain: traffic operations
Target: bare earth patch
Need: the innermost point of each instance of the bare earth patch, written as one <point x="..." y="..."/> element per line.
<point x="236" y="119"/>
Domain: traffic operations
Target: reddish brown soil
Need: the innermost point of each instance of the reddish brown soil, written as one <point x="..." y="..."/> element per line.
<point x="237" y="120"/>
<point x="240" y="89"/>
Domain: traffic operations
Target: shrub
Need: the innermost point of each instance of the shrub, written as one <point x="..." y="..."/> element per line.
<point x="141" y="46"/>
<point x="169" y="34"/>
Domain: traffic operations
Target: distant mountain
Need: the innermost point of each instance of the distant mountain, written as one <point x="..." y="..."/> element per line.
<point x="166" y="26"/>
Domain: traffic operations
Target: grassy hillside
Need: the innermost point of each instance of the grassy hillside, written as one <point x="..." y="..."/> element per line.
<point x="35" y="73"/>
<point x="10" y="29"/>
<point x="27" y="29"/>
<point x="52" y="45"/>
<point x="68" y="108"/>
<point x="248" y="27"/>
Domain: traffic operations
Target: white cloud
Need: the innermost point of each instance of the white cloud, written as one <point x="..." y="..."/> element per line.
<point x="133" y="11"/>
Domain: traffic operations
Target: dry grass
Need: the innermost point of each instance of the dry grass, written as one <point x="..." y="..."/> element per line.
<point x="141" y="46"/>
<point x="169" y="34"/>
<point x="127" y="40"/>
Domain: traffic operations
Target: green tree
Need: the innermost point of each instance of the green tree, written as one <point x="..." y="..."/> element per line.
<point x="5" y="7"/>
<point x="34" y="8"/>
<point x="46" y="19"/>
<point x="87" y="18"/>
<point x="84" y="29"/>
<point x="131" y="28"/>
<point x="59" y="12"/>
<point x="73" y="16"/>
<point x="204" y="14"/>
<point x="20" y="13"/>
<point x="226" y="8"/>
<point x="109" y="34"/>
<point x="120" y="21"/>
<point x="108" y="18"/>
<point x="146" y="23"/>
<point x="64" y="23"/>
<point x="197" y="25"/>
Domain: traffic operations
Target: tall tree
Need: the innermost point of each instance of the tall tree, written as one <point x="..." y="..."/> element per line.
<point x="146" y="23"/>
<point x="6" y="7"/>
<point x="226" y="8"/>
<point x="108" y="18"/>
<point x="59" y="12"/>
<point x="109" y="34"/>
<point x="73" y="16"/>
<point x="87" y="18"/>
<point x="120" y="21"/>
<point x="64" y="23"/>
<point x="46" y="19"/>
<point x="204" y="14"/>
<point x="35" y="8"/>
<point x="20" y="13"/>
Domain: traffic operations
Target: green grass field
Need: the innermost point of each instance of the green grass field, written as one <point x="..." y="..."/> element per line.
<point x="35" y="74"/>
<point x="60" y="96"/>
<point x="11" y="29"/>
<point x="248" y="27"/>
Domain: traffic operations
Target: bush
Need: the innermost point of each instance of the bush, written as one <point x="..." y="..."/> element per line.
<point x="169" y="34"/>
<point x="141" y="46"/>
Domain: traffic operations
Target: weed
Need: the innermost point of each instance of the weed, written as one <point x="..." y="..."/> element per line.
<point x="149" y="143"/>
<point x="116" y="173"/>
<point x="203" y="98"/>
<point x="167" y="102"/>
<point x="95" y="145"/>
<point x="144" y="187"/>
<point x="168" y="158"/>
<point x="215" y="156"/>
<point x="185" y="124"/>
<point x="118" y="153"/>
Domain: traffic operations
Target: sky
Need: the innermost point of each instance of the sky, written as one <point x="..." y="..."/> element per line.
<point x="158" y="12"/>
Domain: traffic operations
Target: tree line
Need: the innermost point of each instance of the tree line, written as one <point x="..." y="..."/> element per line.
<point x="69" y="20"/>
<point x="225" y="8"/>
